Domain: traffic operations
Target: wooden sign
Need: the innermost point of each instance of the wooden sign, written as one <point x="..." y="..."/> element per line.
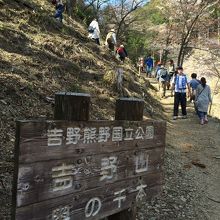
<point x="86" y="170"/>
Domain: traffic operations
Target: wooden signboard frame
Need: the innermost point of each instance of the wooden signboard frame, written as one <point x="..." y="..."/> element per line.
<point x="86" y="169"/>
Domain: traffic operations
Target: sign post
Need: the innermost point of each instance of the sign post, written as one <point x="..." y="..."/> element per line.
<point x="132" y="110"/>
<point x="88" y="170"/>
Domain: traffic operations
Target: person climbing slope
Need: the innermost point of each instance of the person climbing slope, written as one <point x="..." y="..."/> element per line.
<point x="122" y="53"/>
<point x="110" y="40"/>
<point x="94" y="32"/>
<point x="59" y="6"/>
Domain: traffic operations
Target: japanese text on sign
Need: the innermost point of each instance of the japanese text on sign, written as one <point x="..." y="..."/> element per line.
<point x="97" y="135"/>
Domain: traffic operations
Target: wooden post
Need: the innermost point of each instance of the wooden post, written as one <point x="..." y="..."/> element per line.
<point x="128" y="214"/>
<point x="128" y="109"/>
<point x="72" y="106"/>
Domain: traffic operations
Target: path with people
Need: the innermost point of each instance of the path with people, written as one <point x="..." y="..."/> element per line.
<point x="192" y="174"/>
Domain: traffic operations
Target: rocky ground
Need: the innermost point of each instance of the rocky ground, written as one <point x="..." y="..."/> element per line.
<point x="192" y="175"/>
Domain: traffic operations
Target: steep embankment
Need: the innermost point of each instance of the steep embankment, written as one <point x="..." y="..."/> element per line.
<point x="39" y="57"/>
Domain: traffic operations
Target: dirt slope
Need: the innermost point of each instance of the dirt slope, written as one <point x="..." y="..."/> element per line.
<point x="192" y="171"/>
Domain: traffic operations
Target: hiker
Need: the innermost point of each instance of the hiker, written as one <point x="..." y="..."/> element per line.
<point x="194" y="82"/>
<point x="110" y="40"/>
<point x="121" y="52"/>
<point x="141" y="65"/>
<point x="171" y="70"/>
<point x="157" y="68"/>
<point x="174" y="75"/>
<point x="202" y="100"/>
<point x="163" y="78"/>
<point x="179" y="84"/>
<point x="94" y="32"/>
<point x="59" y="6"/>
<point x="149" y="65"/>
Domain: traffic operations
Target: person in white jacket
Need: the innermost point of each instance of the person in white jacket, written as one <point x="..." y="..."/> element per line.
<point x="94" y="32"/>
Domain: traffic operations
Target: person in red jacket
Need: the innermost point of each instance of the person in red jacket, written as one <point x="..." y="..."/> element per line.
<point x="122" y="53"/>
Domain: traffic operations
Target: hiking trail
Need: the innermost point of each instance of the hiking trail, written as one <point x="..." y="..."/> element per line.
<point x="192" y="174"/>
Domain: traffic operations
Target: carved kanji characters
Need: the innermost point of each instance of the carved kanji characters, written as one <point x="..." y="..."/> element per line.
<point x="139" y="134"/>
<point x="104" y="134"/>
<point x="149" y="132"/>
<point x="72" y="135"/>
<point x="55" y="137"/>
<point x="117" y="134"/>
<point x="89" y="135"/>
<point x="129" y="134"/>
<point x="120" y="198"/>
<point x="141" y="161"/>
<point x="62" y="213"/>
<point x="108" y="168"/>
<point x="62" y="177"/>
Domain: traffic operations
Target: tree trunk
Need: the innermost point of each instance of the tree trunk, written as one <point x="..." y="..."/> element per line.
<point x="179" y="61"/>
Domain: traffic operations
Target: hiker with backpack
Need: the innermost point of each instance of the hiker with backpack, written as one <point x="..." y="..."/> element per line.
<point x="163" y="78"/>
<point x="180" y="83"/>
<point x="94" y="32"/>
<point x="171" y="70"/>
<point x="121" y="52"/>
<point x="194" y="82"/>
<point x="110" y="40"/>
<point x="202" y="100"/>
<point x="59" y="6"/>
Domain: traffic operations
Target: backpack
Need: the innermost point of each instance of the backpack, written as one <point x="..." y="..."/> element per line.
<point x="109" y="37"/>
<point x="91" y="29"/>
<point x="163" y="73"/>
<point x="184" y="82"/>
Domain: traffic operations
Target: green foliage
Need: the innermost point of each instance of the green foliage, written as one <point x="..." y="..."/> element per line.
<point x="139" y="43"/>
<point x="85" y="14"/>
<point x="151" y="13"/>
<point x="156" y="17"/>
<point x="215" y="12"/>
<point x="76" y="87"/>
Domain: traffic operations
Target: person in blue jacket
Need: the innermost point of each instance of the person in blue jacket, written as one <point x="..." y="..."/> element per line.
<point x="59" y="6"/>
<point x="149" y="65"/>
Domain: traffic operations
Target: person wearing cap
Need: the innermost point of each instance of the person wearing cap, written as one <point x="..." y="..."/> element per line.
<point x="180" y="83"/>
<point x="122" y="53"/>
<point x="163" y="78"/>
<point x="110" y="40"/>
